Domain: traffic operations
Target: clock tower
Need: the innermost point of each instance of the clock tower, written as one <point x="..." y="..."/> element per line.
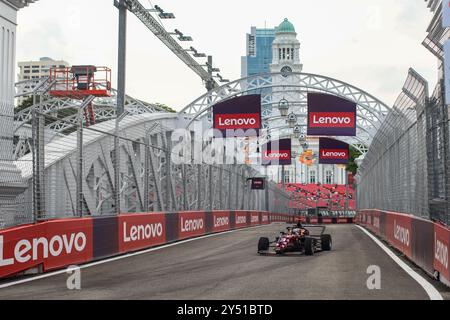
<point x="286" y="50"/>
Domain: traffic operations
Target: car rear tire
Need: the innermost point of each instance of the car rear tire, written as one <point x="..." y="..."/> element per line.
<point x="309" y="246"/>
<point x="327" y="243"/>
<point x="263" y="244"/>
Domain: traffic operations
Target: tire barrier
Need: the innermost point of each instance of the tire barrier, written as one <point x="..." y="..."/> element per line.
<point x="55" y="244"/>
<point x="422" y="241"/>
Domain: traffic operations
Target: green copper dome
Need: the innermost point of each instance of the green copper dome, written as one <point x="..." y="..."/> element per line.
<point x="286" y="27"/>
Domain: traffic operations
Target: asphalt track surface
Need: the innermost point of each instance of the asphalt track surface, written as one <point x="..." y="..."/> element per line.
<point x="227" y="266"/>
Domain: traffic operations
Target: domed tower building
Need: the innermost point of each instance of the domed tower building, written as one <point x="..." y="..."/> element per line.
<point x="286" y="49"/>
<point x="286" y="60"/>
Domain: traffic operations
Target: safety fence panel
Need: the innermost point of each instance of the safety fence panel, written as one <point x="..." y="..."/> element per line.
<point x="394" y="173"/>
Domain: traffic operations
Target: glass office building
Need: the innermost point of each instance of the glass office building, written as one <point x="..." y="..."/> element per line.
<point x="259" y="52"/>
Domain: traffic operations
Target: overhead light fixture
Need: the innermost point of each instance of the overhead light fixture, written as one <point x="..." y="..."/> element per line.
<point x="164" y="15"/>
<point x="283" y="107"/>
<point x="292" y="120"/>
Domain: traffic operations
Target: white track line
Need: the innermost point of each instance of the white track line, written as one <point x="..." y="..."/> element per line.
<point x="427" y="286"/>
<point x="129" y="255"/>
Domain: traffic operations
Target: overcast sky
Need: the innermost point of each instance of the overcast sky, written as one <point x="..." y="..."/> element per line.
<point x="368" y="43"/>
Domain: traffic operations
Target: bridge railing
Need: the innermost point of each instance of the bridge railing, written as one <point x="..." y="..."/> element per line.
<point x="78" y="173"/>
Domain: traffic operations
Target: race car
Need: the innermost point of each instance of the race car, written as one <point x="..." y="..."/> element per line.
<point x="297" y="239"/>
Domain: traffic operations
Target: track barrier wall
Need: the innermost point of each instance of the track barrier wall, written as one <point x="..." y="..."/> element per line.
<point x="424" y="242"/>
<point x="55" y="244"/>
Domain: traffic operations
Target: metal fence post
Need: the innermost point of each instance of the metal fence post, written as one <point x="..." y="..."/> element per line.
<point x="210" y="186"/>
<point x="199" y="187"/>
<point x="79" y="183"/>
<point x="146" y="172"/>
<point x="40" y="166"/>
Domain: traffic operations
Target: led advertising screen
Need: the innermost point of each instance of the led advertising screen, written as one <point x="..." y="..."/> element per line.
<point x="330" y="116"/>
<point x="333" y="151"/>
<point x="258" y="183"/>
<point x="277" y="153"/>
<point x="238" y="117"/>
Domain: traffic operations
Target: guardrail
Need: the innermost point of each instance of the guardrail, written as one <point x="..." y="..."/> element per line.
<point x="422" y="241"/>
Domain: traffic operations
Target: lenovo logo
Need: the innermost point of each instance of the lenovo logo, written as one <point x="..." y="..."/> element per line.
<point x="237" y="121"/>
<point x="333" y="154"/>
<point x="142" y="232"/>
<point x="255" y="219"/>
<point x="221" y="222"/>
<point x="441" y="252"/>
<point x="401" y="234"/>
<point x="191" y="224"/>
<point x="26" y="250"/>
<point x="277" y="155"/>
<point x="241" y="219"/>
<point x="331" y="120"/>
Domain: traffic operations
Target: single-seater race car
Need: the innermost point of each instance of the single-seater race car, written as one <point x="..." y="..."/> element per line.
<point x="297" y="239"/>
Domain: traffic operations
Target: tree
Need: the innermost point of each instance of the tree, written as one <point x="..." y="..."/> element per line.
<point x="26" y="103"/>
<point x="352" y="166"/>
<point x="165" y="107"/>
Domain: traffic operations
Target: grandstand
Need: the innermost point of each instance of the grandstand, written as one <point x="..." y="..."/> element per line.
<point x="330" y="196"/>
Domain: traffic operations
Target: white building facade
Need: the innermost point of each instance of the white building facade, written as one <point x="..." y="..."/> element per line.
<point x="29" y="70"/>
<point x="11" y="183"/>
<point x="287" y="59"/>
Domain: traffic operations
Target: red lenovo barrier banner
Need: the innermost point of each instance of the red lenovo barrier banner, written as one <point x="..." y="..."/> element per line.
<point x="441" y="249"/>
<point x="277" y="153"/>
<point x="330" y="115"/>
<point x="254" y="218"/>
<point x="221" y="221"/>
<point x="191" y="224"/>
<point x="241" y="219"/>
<point x="239" y="116"/>
<point x="51" y="244"/>
<point x="399" y="232"/>
<point x="332" y="151"/>
<point x="139" y="231"/>
<point x="265" y="219"/>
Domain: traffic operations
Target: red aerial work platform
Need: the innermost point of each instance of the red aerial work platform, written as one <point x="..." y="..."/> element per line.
<point x="78" y="82"/>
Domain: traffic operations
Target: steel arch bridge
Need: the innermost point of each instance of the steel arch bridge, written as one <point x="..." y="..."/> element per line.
<point x="294" y="87"/>
<point x="104" y="110"/>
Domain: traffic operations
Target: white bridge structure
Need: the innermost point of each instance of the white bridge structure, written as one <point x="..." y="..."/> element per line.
<point x="150" y="181"/>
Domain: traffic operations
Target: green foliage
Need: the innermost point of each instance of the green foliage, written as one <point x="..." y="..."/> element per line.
<point x="28" y="102"/>
<point x="165" y="107"/>
<point x="352" y="166"/>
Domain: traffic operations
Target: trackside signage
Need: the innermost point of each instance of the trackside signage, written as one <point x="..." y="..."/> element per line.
<point x="239" y="116"/>
<point x="51" y="244"/>
<point x="441" y="250"/>
<point x="277" y="152"/>
<point x="330" y="116"/>
<point x="399" y="232"/>
<point x="191" y="224"/>
<point x="254" y="218"/>
<point x="333" y="151"/>
<point x="138" y="231"/>
<point x="265" y="218"/>
<point x="221" y="221"/>
<point x="241" y="219"/>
